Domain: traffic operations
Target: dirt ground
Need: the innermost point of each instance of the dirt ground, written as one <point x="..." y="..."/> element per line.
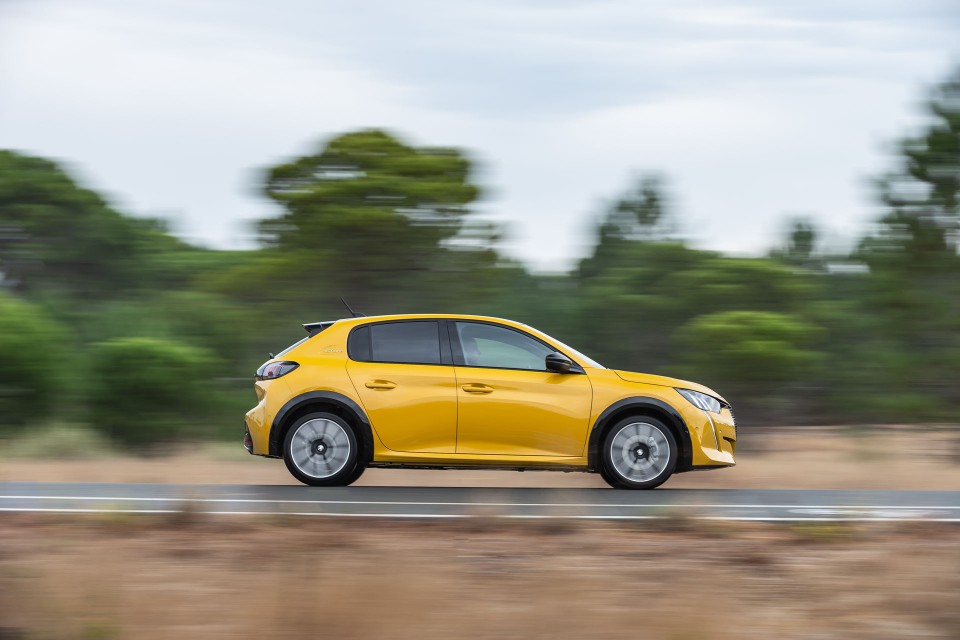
<point x="813" y="458"/>
<point x="197" y="577"/>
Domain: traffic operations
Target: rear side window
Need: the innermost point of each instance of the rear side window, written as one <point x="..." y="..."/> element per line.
<point x="413" y="342"/>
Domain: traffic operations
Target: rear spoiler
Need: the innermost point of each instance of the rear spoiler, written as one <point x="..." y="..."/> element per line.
<point x="313" y="328"/>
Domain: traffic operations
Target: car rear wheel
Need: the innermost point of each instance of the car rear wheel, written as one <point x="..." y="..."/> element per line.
<point x="638" y="453"/>
<point x="320" y="449"/>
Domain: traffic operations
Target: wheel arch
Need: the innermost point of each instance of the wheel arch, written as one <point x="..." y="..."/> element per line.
<point x="331" y="402"/>
<point x="641" y="406"/>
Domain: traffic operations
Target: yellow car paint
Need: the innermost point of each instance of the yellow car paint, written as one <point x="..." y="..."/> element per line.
<point x="502" y="411"/>
<point x="455" y="415"/>
<point x="413" y="405"/>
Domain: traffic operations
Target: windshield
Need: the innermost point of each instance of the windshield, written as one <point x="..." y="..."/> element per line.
<point x="590" y="362"/>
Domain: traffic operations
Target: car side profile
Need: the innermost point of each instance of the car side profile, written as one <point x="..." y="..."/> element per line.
<point x="458" y="391"/>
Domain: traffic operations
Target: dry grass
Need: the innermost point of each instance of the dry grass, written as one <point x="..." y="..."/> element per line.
<point x="149" y="577"/>
<point x="881" y="458"/>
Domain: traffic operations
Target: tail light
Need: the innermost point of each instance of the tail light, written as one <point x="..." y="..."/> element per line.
<point x="273" y="370"/>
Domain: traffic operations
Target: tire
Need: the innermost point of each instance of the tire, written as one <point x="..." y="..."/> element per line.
<point x="639" y="452"/>
<point x="320" y="449"/>
<point x="358" y="470"/>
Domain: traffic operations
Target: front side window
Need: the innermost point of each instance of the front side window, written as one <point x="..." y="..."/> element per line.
<point x="413" y="342"/>
<point x="488" y="345"/>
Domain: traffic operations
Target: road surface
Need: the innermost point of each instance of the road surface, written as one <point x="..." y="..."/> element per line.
<point x="462" y="502"/>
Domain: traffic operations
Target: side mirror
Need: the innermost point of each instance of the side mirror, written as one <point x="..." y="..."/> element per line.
<point x="558" y="363"/>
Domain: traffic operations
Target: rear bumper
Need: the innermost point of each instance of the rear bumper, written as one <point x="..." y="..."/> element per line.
<point x="255" y="426"/>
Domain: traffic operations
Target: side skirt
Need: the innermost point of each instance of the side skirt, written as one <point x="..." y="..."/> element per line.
<point x="475" y="467"/>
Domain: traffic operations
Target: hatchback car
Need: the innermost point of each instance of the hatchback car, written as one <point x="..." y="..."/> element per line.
<point x="455" y="391"/>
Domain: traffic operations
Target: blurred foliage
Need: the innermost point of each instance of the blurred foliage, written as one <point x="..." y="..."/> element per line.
<point x="918" y="233"/>
<point x="59" y="441"/>
<point x="113" y="318"/>
<point x="800" y="247"/>
<point x="367" y="210"/>
<point x="756" y="353"/>
<point x="56" y="235"/>
<point x="31" y="349"/>
<point x="146" y="390"/>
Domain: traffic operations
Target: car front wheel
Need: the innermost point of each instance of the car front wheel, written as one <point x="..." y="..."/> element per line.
<point x="320" y="449"/>
<point x="638" y="453"/>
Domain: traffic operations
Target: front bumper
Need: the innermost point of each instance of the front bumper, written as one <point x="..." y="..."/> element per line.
<point x="713" y="436"/>
<point x="247" y="440"/>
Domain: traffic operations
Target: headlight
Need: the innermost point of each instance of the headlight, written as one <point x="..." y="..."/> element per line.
<point x="701" y="400"/>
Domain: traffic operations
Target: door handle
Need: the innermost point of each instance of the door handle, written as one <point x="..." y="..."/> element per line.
<point x="477" y="388"/>
<point x="380" y="385"/>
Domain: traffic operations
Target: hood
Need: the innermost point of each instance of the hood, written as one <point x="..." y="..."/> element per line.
<point x="663" y="381"/>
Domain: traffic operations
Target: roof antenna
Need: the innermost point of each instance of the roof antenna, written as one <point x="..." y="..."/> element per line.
<point x="353" y="313"/>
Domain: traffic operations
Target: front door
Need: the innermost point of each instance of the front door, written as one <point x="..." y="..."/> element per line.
<point x="407" y="390"/>
<point x="508" y="402"/>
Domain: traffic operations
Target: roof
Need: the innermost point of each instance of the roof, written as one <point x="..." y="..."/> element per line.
<point x="418" y="316"/>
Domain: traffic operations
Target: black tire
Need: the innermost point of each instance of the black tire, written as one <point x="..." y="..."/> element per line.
<point x="633" y="457"/>
<point x="358" y="470"/>
<point x="321" y="450"/>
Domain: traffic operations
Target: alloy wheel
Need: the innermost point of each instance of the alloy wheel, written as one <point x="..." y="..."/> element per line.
<point x="640" y="452"/>
<point x="320" y="448"/>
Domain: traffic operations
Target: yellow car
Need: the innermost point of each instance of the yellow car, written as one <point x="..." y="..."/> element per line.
<point x="456" y="391"/>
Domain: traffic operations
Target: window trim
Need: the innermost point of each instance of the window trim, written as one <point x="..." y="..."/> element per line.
<point x="459" y="361"/>
<point x="446" y="360"/>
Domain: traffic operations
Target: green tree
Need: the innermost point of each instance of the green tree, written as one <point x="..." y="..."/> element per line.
<point x="149" y="390"/>
<point x="366" y="207"/>
<point x="753" y="355"/>
<point x="56" y="235"/>
<point x="913" y="290"/>
<point x="922" y="194"/>
<point x="800" y="246"/>
<point x="33" y="355"/>
<point x="642" y="214"/>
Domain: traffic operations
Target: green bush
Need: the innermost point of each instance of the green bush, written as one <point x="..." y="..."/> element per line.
<point x="754" y="351"/>
<point x="149" y="390"/>
<point x="191" y="317"/>
<point x="31" y="350"/>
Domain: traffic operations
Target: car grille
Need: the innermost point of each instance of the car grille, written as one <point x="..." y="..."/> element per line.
<point x="733" y="418"/>
<point x="247" y="440"/>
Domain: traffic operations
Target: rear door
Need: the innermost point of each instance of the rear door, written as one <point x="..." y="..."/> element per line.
<point x="404" y="376"/>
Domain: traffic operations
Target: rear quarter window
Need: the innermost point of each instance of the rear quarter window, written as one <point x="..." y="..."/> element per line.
<point x="409" y="342"/>
<point x="358" y="345"/>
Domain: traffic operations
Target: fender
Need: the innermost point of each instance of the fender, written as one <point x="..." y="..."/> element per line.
<point x="345" y="404"/>
<point x="658" y="407"/>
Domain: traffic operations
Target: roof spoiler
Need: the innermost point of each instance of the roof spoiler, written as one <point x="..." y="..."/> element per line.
<point x="313" y="328"/>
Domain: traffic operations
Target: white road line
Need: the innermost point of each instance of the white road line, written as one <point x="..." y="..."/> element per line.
<point x="473" y="504"/>
<point x="69" y="510"/>
<point x="435" y="516"/>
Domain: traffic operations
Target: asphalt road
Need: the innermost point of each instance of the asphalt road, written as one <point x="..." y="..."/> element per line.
<point x="462" y="502"/>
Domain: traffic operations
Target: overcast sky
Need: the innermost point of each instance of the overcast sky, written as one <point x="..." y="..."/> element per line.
<point x="755" y="111"/>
